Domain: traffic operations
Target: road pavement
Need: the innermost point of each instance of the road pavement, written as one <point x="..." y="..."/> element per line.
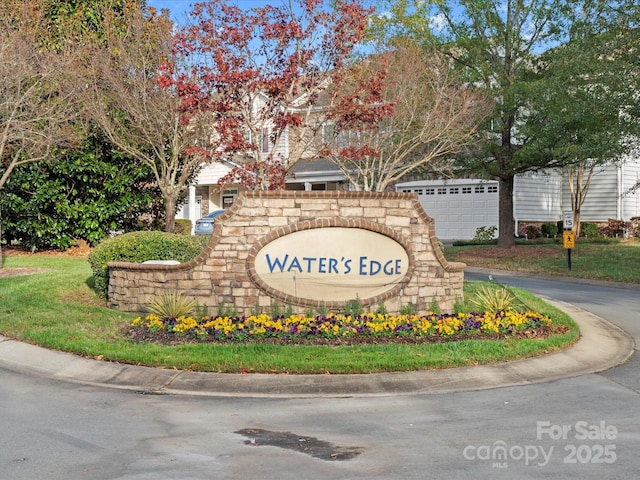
<point x="583" y="426"/>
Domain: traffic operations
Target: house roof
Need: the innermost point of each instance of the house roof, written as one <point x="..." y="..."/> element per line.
<point x="445" y="182"/>
<point x="317" y="169"/>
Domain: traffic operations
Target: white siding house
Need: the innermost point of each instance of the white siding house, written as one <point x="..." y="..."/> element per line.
<point x="459" y="206"/>
<point x="206" y="196"/>
<point x="539" y="197"/>
<point x="609" y="195"/>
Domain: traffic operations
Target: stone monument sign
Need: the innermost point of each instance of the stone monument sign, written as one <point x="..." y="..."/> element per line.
<point x="306" y="249"/>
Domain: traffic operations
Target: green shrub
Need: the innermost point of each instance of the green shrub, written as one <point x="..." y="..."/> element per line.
<point x="484" y="234"/>
<point x="323" y="311"/>
<point x="589" y="230"/>
<point x="408" y="309"/>
<point x="382" y="308"/>
<point x="139" y="247"/>
<point x="549" y="230"/>
<point x="227" y="310"/>
<point x="560" y="225"/>
<point x="458" y="305"/>
<point x="466" y="243"/>
<point x="276" y="310"/>
<point x="354" y="307"/>
<point x="434" y="306"/>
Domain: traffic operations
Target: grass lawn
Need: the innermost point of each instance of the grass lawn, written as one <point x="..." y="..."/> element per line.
<point x="58" y="310"/>
<point x="616" y="262"/>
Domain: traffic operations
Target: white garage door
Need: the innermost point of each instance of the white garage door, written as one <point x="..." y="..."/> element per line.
<point x="458" y="207"/>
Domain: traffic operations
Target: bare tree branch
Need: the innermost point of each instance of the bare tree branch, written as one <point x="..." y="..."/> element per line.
<point x="138" y="115"/>
<point x="435" y="117"/>
<point x="37" y="95"/>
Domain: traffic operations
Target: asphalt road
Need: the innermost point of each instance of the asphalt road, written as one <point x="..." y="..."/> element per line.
<point x="580" y="428"/>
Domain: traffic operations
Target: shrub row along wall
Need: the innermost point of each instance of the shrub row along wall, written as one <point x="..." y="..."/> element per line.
<point x="306" y="249"/>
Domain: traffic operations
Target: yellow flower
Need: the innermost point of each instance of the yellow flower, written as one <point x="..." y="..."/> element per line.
<point x="184" y="324"/>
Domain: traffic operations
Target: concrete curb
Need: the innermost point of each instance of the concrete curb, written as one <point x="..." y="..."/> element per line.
<point x="601" y="346"/>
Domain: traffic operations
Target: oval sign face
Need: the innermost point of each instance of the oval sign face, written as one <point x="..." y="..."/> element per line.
<point x="332" y="264"/>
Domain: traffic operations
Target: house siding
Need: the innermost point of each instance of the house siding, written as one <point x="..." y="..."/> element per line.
<point x="630" y="200"/>
<point x="211" y="173"/>
<point x="602" y="198"/>
<point x="537" y="197"/>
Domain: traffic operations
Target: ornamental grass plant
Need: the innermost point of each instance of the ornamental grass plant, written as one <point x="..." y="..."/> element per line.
<point x="172" y="305"/>
<point x="494" y="300"/>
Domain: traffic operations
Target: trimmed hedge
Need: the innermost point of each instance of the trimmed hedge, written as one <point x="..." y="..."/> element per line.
<point x="139" y="247"/>
<point x="550" y="230"/>
<point x="589" y="230"/>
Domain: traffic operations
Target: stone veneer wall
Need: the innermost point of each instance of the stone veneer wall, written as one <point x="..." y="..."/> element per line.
<point x="224" y="271"/>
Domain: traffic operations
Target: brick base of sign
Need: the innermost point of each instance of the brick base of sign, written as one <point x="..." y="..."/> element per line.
<point x="225" y="272"/>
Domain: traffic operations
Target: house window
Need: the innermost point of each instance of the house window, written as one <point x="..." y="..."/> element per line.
<point x="340" y="138"/>
<point x="466" y="189"/>
<point x="492" y="189"/>
<point x="328" y="133"/>
<point x="442" y="191"/>
<point x="264" y="140"/>
<point x="454" y="190"/>
<point x="429" y="191"/>
<point x="418" y="191"/>
<point x="479" y="189"/>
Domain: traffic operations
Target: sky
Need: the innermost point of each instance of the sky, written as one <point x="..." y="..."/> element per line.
<point x="180" y="8"/>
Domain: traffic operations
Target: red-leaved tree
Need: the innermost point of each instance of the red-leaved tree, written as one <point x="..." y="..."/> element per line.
<point x="269" y="78"/>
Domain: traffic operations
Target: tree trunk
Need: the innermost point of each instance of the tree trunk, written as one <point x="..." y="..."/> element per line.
<point x="506" y="235"/>
<point x="579" y="188"/>
<point x="170" y="214"/>
<point x="576" y="223"/>
<point x="1" y="261"/>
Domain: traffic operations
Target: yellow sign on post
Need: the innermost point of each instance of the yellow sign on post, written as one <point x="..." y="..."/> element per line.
<point x="569" y="239"/>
